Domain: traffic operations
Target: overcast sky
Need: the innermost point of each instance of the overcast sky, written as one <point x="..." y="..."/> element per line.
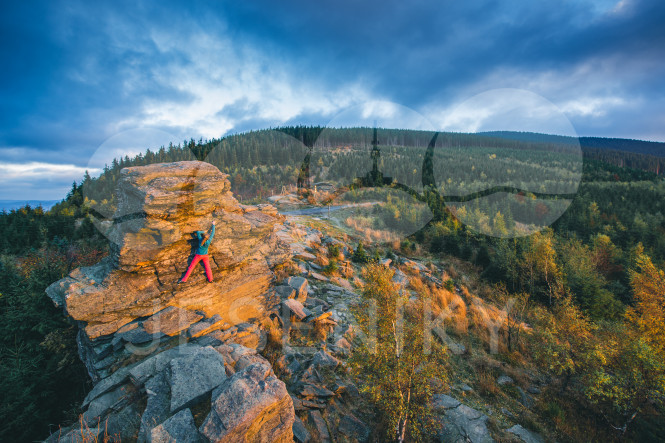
<point x="82" y="79"/>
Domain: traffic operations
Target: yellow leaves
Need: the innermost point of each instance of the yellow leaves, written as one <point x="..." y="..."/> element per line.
<point x="648" y="315"/>
<point x="461" y="214"/>
<point x="67" y="212"/>
<point x="499" y="224"/>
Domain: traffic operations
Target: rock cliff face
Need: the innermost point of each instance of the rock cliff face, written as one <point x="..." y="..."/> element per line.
<point x="155" y="348"/>
<point x="133" y="296"/>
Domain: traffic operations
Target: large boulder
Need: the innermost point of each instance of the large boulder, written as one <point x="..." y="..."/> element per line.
<point x="251" y="406"/>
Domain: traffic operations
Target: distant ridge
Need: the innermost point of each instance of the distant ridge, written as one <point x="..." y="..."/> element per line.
<point x="8" y="205"/>
<point x="656" y="149"/>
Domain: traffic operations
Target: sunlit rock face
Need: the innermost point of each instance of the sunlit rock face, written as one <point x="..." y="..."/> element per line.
<point x="253" y="405"/>
<point x="160" y="206"/>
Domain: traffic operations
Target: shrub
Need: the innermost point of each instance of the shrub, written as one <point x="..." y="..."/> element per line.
<point x="359" y="255"/>
<point x="333" y="250"/>
<point x="331" y="268"/>
<point x="377" y="256"/>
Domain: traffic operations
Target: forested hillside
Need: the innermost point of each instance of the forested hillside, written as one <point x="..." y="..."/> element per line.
<point x="636" y="154"/>
<point x="42" y="379"/>
<point x="591" y="285"/>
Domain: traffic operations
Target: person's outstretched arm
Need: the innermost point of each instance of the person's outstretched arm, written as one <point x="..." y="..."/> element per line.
<point x="212" y="234"/>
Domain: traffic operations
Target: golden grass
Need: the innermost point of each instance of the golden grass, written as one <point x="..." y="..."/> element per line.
<point x="358" y="283"/>
<point x="486" y="384"/>
<point x="297" y="234"/>
<point x="88" y="436"/>
<point x="346" y="269"/>
<point x="363" y="227"/>
<point x="491" y="323"/>
<point x="417" y="285"/>
<point x="444" y="276"/>
<point x="444" y="303"/>
<point x="517" y="371"/>
<point x="453" y="307"/>
<point x="321" y="331"/>
<point x="487" y="320"/>
<point x="274" y="332"/>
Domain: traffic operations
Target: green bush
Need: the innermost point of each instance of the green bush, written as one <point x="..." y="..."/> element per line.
<point x="331" y="267"/>
<point x="359" y="255"/>
<point x="333" y="250"/>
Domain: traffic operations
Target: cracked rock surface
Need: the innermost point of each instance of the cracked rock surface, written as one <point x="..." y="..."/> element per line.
<point x="460" y="423"/>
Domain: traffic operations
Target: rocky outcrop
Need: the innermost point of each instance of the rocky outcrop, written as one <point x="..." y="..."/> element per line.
<point x="179" y="428"/>
<point x="525" y="435"/>
<point x="318" y="424"/>
<point x="159" y="351"/>
<point x="353" y="429"/>
<point x="182" y="360"/>
<point x="192" y="377"/>
<point x="152" y="399"/>
<point x="460" y="423"/>
<point x="133" y="299"/>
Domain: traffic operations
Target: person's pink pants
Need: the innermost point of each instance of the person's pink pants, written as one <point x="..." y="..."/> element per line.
<point x="195" y="260"/>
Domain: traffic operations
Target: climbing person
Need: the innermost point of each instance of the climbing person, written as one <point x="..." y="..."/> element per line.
<point x="201" y="254"/>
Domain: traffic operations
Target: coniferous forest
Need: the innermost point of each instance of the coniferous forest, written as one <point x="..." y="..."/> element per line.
<point x="592" y="284"/>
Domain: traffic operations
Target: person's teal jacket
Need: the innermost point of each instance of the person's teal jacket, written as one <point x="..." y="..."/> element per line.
<point x="203" y="247"/>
